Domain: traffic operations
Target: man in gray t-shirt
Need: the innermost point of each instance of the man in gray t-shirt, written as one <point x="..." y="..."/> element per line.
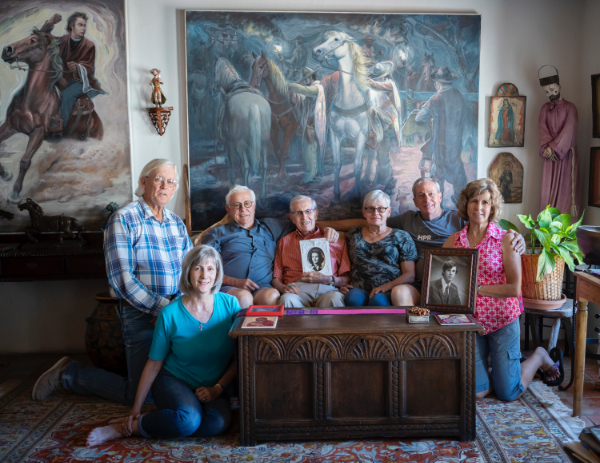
<point x="430" y="226"/>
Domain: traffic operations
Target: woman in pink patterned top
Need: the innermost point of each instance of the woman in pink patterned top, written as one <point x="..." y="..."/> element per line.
<point x="498" y="296"/>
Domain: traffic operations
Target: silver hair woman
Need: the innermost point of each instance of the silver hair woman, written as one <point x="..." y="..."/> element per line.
<point x="497" y="307"/>
<point x="191" y="342"/>
<point x="383" y="259"/>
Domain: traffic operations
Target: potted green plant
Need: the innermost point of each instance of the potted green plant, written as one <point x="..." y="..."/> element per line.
<point x="553" y="243"/>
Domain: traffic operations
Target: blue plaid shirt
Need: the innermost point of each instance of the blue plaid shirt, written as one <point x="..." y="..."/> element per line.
<point x="143" y="256"/>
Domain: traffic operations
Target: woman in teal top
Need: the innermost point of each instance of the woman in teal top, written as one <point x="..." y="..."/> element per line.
<point x="191" y="360"/>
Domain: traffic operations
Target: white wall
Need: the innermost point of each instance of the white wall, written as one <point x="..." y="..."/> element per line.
<point x="517" y="38"/>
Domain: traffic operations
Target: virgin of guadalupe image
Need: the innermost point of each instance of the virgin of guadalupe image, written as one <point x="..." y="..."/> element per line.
<point x="506" y="121"/>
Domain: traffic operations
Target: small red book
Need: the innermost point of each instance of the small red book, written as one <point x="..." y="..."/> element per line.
<point x="265" y="311"/>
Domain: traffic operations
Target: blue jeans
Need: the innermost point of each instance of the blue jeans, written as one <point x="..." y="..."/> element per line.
<point x="138" y="332"/>
<point x="503" y="347"/>
<point x="180" y="413"/>
<point x="359" y="297"/>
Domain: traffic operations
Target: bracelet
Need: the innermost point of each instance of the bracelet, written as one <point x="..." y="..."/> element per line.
<point x="478" y="289"/>
<point x="220" y="388"/>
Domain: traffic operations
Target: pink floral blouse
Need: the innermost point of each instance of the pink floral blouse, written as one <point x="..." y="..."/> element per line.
<point x="492" y="313"/>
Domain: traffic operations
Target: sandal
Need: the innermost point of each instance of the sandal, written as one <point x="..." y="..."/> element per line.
<point x="556" y="355"/>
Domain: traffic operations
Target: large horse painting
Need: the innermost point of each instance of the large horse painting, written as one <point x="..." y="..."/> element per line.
<point x="64" y="132"/>
<point x="357" y="102"/>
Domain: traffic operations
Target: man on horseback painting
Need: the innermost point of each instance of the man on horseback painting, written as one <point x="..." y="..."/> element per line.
<point x="78" y="54"/>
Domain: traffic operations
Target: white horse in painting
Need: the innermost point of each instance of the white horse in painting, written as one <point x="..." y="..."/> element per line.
<point x="348" y="112"/>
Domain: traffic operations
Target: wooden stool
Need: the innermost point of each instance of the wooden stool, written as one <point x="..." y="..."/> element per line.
<point x="562" y="313"/>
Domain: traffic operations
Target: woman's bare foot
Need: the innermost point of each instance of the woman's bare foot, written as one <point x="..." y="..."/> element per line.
<point x="99" y="436"/>
<point x="118" y="420"/>
<point x="546" y="364"/>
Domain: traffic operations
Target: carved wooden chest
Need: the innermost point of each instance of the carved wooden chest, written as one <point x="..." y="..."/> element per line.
<point x="355" y="376"/>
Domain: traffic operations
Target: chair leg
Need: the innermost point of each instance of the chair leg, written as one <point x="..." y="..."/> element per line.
<point x="554" y="334"/>
<point x="534" y="331"/>
<point x="568" y="334"/>
<point x="541" y="328"/>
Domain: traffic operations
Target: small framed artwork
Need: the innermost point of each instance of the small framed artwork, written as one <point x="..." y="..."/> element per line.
<point x="507" y="171"/>
<point x="265" y="310"/>
<point x="594" y="196"/>
<point x="596" y="106"/>
<point x="507" y="118"/>
<point x="450" y="280"/>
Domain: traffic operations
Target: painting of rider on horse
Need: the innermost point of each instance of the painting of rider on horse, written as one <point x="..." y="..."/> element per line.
<point x="351" y="101"/>
<point x="49" y="87"/>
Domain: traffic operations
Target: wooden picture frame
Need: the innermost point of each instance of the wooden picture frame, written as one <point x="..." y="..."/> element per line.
<point x="507" y="128"/>
<point x="594" y="187"/>
<point x="462" y="286"/>
<point x="596" y="106"/>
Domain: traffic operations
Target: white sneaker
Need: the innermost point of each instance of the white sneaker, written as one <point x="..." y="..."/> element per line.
<point x="49" y="381"/>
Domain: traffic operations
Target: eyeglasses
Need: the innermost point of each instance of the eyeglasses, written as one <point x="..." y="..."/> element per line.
<point x="170" y="182"/>
<point x="380" y="209"/>
<point x="246" y="204"/>
<point x="301" y="213"/>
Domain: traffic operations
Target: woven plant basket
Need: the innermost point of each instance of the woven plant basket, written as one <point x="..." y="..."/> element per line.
<point x="550" y="288"/>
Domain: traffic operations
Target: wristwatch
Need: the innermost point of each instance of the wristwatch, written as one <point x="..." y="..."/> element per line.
<point x="332" y="282"/>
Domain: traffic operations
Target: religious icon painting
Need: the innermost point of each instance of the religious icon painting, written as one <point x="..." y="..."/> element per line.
<point x="450" y="280"/>
<point x="507" y="171"/>
<point x="507" y="118"/>
<point x="270" y="94"/>
<point x="75" y="158"/>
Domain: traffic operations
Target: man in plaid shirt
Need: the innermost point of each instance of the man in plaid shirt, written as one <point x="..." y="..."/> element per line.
<point x="144" y="245"/>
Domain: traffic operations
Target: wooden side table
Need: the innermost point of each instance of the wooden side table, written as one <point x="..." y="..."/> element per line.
<point x="588" y="290"/>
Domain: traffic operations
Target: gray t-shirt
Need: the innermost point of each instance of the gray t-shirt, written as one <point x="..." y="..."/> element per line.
<point x="427" y="233"/>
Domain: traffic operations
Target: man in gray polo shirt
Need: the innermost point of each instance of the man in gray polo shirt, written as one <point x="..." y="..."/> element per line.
<point x="247" y="246"/>
<point x="430" y="226"/>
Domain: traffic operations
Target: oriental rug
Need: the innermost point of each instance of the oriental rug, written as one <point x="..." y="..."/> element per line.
<point x="532" y="428"/>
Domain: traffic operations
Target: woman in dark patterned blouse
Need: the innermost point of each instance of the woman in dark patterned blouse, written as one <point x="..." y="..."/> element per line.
<point x="383" y="259"/>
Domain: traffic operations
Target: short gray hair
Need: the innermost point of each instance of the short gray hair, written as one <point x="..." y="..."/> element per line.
<point x="422" y="180"/>
<point x="194" y="257"/>
<point x="374" y="195"/>
<point x="154" y="164"/>
<point x="236" y="189"/>
<point x="295" y="199"/>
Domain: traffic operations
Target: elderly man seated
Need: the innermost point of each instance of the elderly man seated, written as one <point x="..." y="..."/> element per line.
<point x="247" y="247"/>
<point x="308" y="289"/>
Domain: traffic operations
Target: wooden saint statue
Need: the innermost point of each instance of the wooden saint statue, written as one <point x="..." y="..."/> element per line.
<point x="558" y="148"/>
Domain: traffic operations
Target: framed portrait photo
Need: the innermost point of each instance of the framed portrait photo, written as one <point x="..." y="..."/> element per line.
<point x="594" y="187"/>
<point x="450" y="280"/>
<point x="316" y="256"/>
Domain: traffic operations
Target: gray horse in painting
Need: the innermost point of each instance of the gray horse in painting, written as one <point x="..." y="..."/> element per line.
<point x="245" y="125"/>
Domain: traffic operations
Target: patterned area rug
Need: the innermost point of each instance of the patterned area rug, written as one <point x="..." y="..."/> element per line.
<point x="530" y="429"/>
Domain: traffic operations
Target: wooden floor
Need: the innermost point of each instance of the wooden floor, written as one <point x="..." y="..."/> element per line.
<point x="16" y="368"/>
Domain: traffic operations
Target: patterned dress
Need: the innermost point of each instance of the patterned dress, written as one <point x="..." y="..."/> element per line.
<point x="491" y="312"/>
<point x="375" y="264"/>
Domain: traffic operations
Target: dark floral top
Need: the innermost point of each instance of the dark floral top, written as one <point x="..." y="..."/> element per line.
<point x="375" y="264"/>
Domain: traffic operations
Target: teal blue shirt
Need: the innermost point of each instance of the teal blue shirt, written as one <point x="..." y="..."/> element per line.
<point x="198" y="357"/>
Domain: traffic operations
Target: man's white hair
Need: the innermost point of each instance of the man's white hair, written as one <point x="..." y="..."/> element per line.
<point x="236" y="189"/>
<point x="295" y="199"/>
<point x="148" y="168"/>
<point x="375" y="195"/>
<point x="422" y="180"/>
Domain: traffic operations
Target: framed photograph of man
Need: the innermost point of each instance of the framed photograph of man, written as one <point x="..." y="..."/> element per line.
<point x="450" y="280"/>
<point x="596" y="106"/>
<point x="507" y="118"/>
<point x="316" y="256"/>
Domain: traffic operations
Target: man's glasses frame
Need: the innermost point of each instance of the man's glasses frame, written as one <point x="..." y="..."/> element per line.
<point x="301" y="213"/>
<point x="246" y="204"/>
<point x="160" y="180"/>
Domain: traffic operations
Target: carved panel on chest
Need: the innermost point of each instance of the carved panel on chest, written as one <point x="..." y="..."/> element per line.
<point x="352" y="347"/>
